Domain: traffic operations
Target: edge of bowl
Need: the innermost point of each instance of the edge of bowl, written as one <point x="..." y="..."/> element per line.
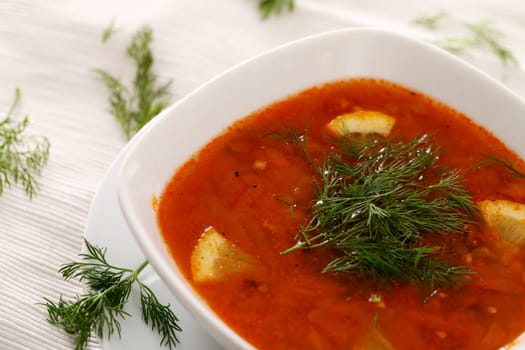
<point x="167" y="270"/>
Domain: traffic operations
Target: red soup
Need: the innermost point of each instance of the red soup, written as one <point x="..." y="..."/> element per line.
<point x="257" y="185"/>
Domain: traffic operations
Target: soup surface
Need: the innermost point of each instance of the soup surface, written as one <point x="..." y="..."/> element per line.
<point x="257" y="191"/>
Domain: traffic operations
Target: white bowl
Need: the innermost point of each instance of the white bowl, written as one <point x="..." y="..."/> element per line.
<point x="181" y="130"/>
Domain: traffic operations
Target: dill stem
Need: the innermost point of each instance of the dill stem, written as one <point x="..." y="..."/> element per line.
<point x="15" y="102"/>
<point x="141" y="267"/>
<point x="296" y="246"/>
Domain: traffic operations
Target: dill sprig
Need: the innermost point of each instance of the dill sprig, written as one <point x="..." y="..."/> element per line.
<point x="135" y="107"/>
<point x="376" y="200"/>
<point x="22" y="157"/>
<point x="430" y="22"/>
<point x="269" y="7"/>
<point x="507" y="165"/>
<point x="101" y="308"/>
<point x="290" y="204"/>
<point x="481" y="35"/>
<point x="109" y="31"/>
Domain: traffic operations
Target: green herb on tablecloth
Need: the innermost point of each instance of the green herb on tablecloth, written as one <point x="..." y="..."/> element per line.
<point x="101" y="308"/>
<point x="430" y="22"/>
<point x="109" y="31"/>
<point x="269" y="7"/>
<point x="22" y="157"/>
<point x="136" y="106"/>
<point x="481" y="35"/>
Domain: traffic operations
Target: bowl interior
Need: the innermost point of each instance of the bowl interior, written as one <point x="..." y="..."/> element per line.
<point x="180" y="131"/>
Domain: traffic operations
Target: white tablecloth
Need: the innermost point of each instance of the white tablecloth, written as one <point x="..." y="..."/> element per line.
<point x="48" y="49"/>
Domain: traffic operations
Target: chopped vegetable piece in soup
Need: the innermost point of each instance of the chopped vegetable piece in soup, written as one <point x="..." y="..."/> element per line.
<point x="506" y="217"/>
<point x="354" y="215"/>
<point x="215" y="258"/>
<point x="362" y="122"/>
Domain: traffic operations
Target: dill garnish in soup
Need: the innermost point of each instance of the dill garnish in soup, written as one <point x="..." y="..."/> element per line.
<point x="354" y="215"/>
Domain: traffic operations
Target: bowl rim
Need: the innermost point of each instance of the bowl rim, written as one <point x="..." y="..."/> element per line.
<point x="187" y="295"/>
